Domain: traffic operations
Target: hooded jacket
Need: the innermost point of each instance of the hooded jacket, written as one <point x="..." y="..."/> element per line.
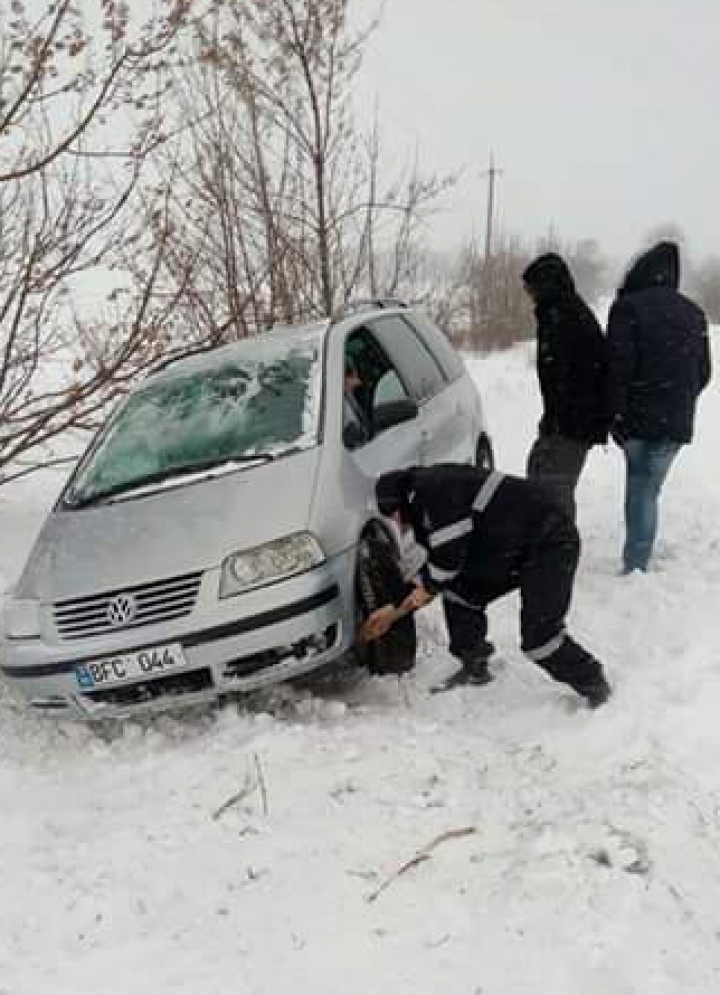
<point x="571" y="354"/>
<point x="659" y="354"/>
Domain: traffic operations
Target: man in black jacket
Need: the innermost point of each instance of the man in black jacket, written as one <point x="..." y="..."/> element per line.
<point x="487" y="534"/>
<point x="659" y="362"/>
<point x="571" y="365"/>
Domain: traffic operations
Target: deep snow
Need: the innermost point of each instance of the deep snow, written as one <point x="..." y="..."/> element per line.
<point x="594" y="868"/>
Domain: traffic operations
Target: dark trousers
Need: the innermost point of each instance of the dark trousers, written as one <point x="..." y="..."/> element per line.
<point x="556" y="462"/>
<point x="544" y="578"/>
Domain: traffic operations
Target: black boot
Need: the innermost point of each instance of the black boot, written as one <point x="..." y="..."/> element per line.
<point x="572" y="664"/>
<point x="597" y="693"/>
<point x="476" y="672"/>
<point x="473" y="670"/>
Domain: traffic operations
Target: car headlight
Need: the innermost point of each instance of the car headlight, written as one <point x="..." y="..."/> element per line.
<point x="270" y="562"/>
<point x="21" y="619"/>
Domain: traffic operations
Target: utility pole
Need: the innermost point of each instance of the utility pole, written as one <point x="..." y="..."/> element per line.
<point x="492" y="173"/>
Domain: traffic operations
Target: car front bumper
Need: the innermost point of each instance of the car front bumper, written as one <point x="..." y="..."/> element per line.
<point x="233" y="645"/>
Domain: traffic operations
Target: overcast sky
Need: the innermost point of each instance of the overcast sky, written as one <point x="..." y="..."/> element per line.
<point x="604" y="114"/>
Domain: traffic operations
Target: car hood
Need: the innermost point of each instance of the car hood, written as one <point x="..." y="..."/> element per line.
<point x="168" y="532"/>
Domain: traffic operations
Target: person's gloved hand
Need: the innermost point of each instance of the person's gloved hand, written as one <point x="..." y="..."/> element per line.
<point x="378" y="623"/>
<point x="382" y="619"/>
<point x="417" y="599"/>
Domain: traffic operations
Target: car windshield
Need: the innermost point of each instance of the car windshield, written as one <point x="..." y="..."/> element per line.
<point x="257" y="405"/>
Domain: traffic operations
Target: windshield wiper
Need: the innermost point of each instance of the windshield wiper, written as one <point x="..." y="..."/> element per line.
<point x="160" y="476"/>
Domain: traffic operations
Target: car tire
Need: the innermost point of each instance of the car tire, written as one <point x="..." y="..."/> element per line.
<point x="339" y="677"/>
<point x="379" y="581"/>
<point x="484" y="457"/>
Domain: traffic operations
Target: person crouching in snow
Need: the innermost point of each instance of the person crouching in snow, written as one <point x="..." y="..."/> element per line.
<point x="487" y="534"/>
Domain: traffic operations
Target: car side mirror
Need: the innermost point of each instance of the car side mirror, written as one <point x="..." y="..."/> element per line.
<point x="354" y="436"/>
<point x="393" y="413"/>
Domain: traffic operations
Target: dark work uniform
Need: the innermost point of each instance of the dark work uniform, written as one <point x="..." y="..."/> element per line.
<point x="487" y="534"/>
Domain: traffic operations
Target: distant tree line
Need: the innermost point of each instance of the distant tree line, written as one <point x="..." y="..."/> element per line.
<point x="481" y="302"/>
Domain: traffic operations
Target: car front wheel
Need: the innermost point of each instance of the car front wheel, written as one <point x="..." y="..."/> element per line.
<point x="379" y="582"/>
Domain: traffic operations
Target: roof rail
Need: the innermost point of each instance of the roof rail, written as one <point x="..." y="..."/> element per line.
<point x="364" y="303"/>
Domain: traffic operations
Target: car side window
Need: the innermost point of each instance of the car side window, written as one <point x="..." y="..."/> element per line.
<point x="375" y="386"/>
<point x="389" y="388"/>
<point x="438" y="343"/>
<point x="411" y="356"/>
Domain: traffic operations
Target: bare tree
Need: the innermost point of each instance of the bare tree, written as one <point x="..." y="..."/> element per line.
<point x="486" y="305"/>
<point x="80" y="116"/>
<point x="496" y="312"/>
<point x="282" y="198"/>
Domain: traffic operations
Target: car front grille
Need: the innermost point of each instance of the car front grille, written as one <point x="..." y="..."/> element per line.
<point x="129" y="608"/>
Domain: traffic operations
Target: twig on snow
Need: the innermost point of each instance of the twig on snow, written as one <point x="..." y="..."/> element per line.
<point x="251" y="784"/>
<point x="261" y="784"/>
<point x="247" y="789"/>
<point x="421" y="856"/>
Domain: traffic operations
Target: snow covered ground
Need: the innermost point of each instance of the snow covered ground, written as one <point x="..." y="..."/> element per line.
<point x="593" y="868"/>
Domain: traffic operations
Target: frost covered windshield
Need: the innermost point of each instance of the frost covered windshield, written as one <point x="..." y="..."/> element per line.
<point x="259" y="403"/>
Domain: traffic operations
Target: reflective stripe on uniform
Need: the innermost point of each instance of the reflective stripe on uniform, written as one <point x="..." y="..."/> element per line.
<point x="437" y="573"/>
<point x="457" y="599"/>
<point x="487" y="492"/>
<point x="455" y="531"/>
<point x="547" y="649"/>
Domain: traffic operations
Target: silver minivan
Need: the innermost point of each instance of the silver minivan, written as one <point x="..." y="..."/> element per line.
<point x="207" y="542"/>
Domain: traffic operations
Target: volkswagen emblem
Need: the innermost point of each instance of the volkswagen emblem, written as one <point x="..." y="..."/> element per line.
<point x="121" y="610"/>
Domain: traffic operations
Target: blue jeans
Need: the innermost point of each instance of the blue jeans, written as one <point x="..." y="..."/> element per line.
<point x="648" y="463"/>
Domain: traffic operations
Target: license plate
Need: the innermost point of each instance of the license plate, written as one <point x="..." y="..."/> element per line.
<point x="143" y="664"/>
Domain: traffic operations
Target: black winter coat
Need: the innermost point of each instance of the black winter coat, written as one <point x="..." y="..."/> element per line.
<point x="571" y="354"/>
<point x="659" y="354"/>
